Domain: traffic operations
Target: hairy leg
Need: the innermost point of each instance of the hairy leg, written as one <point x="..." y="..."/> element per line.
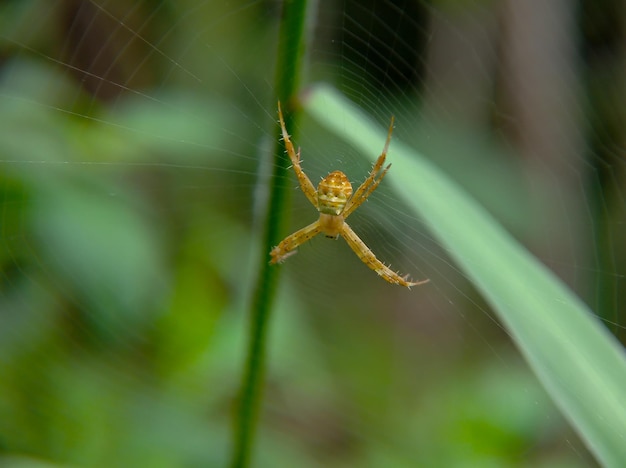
<point x="370" y="184"/>
<point x="290" y="243"/>
<point x="305" y="183"/>
<point x="368" y="257"/>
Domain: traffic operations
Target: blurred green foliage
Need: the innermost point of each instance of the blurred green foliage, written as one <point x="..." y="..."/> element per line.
<point x="127" y="239"/>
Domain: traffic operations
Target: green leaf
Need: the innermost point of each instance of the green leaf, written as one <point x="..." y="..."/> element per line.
<point x="578" y="361"/>
<point x="99" y="248"/>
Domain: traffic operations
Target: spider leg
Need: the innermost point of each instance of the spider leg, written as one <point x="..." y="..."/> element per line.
<point x="305" y="183"/>
<point x="371" y="183"/>
<point x="288" y="245"/>
<point x="359" y="198"/>
<point x="368" y="257"/>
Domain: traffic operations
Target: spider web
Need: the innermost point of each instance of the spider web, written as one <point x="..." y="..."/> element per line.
<point x="133" y="161"/>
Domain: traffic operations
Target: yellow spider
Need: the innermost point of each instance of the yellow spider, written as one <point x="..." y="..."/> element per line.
<point x="334" y="201"/>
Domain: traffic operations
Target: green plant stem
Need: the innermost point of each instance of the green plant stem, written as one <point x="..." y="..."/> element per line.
<point x="291" y="45"/>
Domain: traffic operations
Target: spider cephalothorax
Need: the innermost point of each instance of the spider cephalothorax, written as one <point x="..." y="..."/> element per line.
<point x="335" y="201"/>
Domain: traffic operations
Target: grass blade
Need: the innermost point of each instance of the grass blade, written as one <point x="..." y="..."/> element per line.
<point x="578" y="361"/>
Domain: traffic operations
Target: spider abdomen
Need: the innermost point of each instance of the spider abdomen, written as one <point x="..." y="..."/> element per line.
<point x="333" y="192"/>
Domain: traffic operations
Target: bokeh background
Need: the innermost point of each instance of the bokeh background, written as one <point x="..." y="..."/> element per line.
<point x="134" y="156"/>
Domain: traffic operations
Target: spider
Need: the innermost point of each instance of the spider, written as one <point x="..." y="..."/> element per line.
<point x="335" y="202"/>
